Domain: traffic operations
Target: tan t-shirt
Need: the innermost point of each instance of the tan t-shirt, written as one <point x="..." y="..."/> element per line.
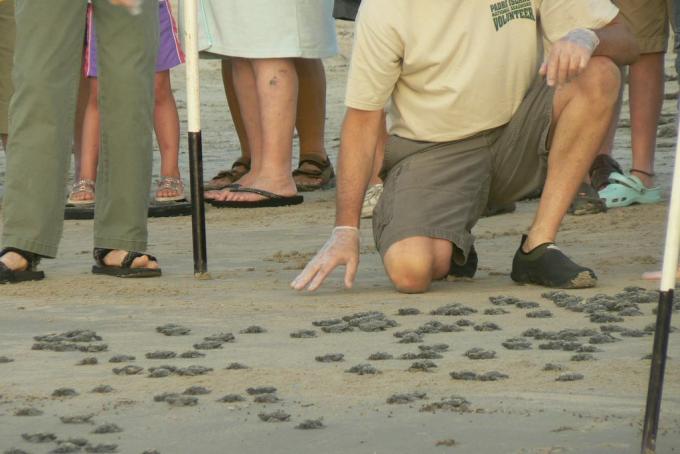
<point x="455" y="68"/>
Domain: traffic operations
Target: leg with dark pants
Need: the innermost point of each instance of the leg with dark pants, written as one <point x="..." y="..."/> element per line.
<point x="46" y="74"/>
<point x="7" y="34"/>
<point x="127" y="46"/>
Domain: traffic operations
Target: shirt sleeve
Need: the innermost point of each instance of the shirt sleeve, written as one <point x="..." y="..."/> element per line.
<point x="559" y="17"/>
<point x="376" y="57"/>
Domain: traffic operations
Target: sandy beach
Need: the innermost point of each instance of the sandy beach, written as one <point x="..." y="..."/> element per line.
<point x="591" y="399"/>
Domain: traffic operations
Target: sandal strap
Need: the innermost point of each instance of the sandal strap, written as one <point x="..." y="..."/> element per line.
<point x="173" y="183"/>
<point x="630" y="181"/>
<point x="321" y="167"/>
<point x="602" y="167"/>
<point x="83" y="185"/>
<point x="240" y="162"/>
<point x="32" y="258"/>
<point x="100" y="253"/>
<point x="263" y="193"/>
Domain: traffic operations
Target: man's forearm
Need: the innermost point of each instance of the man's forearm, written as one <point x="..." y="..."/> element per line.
<point x="360" y="132"/>
<point x="617" y="42"/>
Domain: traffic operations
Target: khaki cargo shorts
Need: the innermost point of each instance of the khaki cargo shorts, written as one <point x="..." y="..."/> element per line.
<point x="440" y="190"/>
<point x="6" y="54"/>
<point x="648" y="20"/>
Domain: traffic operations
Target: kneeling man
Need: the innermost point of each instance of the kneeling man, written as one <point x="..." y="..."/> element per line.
<point x="476" y="119"/>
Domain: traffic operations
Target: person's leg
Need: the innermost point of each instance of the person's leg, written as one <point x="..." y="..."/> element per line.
<point x="646" y="88"/>
<point x="315" y="170"/>
<point x="433" y="196"/>
<point x="7" y="35"/>
<point x="235" y="108"/>
<point x="413" y="263"/>
<point x="166" y="124"/>
<point x="82" y="190"/>
<point x="250" y="115"/>
<point x="275" y="99"/>
<point x="581" y="113"/>
<point x="242" y="165"/>
<point x="46" y="73"/>
<point x="81" y="107"/>
<point x="127" y="51"/>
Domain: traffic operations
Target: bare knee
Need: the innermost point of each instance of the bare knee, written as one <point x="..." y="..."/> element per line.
<point x="412" y="264"/>
<point x="410" y="276"/>
<point x="600" y="82"/>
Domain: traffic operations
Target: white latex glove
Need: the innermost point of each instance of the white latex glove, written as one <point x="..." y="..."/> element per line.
<point x="569" y="56"/>
<point x="134" y="6"/>
<point x="342" y="248"/>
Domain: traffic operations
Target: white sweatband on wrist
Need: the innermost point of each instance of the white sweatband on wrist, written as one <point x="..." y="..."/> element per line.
<point x="584" y="37"/>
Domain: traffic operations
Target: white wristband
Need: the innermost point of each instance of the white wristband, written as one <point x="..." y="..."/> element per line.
<point x="584" y="37"/>
<point x="345" y="227"/>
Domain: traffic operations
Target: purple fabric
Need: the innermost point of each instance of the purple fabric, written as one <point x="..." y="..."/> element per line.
<point x="169" y="53"/>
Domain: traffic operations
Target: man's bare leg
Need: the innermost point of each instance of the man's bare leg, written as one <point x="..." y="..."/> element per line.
<point x="413" y="263"/>
<point x="581" y="113"/>
<point x="3" y="139"/>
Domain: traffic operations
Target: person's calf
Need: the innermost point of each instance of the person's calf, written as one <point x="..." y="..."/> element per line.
<point x="412" y="264"/>
<point x="3" y="139"/>
<point x="582" y="111"/>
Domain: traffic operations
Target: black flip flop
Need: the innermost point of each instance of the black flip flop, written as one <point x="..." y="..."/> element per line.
<point x="8" y="276"/>
<point x="271" y="200"/>
<point x="124" y="270"/>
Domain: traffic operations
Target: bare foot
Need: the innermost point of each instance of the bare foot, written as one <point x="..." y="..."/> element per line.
<point x="14" y="261"/>
<point x="284" y="186"/>
<point x="245" y="181"/>
<point x="115" y="258"/>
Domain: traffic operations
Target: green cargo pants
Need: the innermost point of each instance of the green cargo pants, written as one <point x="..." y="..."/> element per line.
<point x="6" y="52"/>
<point x="47" y="68"/>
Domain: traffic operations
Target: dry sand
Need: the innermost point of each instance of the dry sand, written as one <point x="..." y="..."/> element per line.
<point x="253" y="256"/>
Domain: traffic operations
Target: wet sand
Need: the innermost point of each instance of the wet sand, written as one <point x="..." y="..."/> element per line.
<point x="253" y="256"/>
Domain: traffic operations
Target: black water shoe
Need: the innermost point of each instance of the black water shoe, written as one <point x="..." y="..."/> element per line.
<point x="547" y="265"/>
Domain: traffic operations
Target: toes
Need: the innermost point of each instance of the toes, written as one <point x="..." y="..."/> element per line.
<point x="140" y="262"/>
<point x="114" y="258"/>
<point x="144" y="262"/>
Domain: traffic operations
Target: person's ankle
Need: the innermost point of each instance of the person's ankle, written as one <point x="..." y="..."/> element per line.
<point x="316" y="156"/>
<point x="647" y="177"/>
<point x="534" y="240"/>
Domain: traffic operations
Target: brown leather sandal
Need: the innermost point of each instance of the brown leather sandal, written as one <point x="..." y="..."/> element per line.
<point x="225" y="178"/>
<point x="314" y="169"/>
<point x="8" y="276"/>
<point x="603" y="166"/>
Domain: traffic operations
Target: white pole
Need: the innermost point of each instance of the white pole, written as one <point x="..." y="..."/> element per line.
<point x="670" y="256"/>
<point x="195" y="142"/>
<point x="191" y="52"/>
<point x="663" y="315"/>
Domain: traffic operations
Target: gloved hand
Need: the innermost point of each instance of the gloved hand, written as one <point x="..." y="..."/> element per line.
<point x="569" y="56"/>
<point x="342" y="248"/>
<point x="134" y="6"/>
